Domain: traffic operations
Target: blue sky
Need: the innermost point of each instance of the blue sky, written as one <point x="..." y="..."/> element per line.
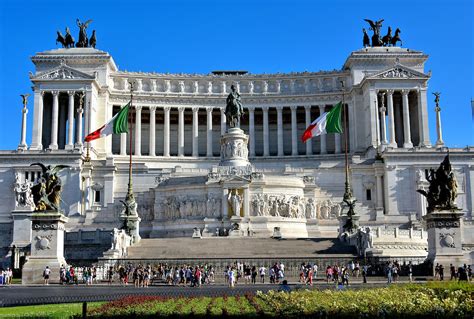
<point x="258" y="36"/>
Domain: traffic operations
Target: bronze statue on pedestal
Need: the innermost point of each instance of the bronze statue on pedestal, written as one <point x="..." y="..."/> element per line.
<point x="443" y="189"/>
<point x="234" y="109"/>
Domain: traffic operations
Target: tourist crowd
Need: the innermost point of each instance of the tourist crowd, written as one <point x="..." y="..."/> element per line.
<point x="196" y="275"/>
<point x="6" y="276"/>
<point x="462" y="273"/>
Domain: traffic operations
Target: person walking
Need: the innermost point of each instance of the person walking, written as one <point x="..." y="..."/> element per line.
<point x="262" y="274"/>
<point x="46" y="274"/>
<point x="389" y="273"/>
<point x="410" y="272"/>
<point x="231" y="277"/>
<point x="365" y="270"/>
<point x="254" y="275"/>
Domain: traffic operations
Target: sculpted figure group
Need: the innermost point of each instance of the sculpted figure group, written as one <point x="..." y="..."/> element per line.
<point x="443" y="189"/>
<point x="293" y="207"/>
<point x="47" y="191"/>
<point x="176" y="207"/>
<point x="68" y="41"/>
<point x="23" y="195"/>
<point x="377" y="40"/>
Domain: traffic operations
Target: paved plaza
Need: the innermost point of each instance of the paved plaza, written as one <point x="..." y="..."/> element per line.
<point x="16" y="295"/>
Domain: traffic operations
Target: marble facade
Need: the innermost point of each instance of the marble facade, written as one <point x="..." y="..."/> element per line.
<point x="183" y="179"/>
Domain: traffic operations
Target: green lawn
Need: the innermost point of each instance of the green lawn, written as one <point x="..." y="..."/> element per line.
<point x="45" y="311"/>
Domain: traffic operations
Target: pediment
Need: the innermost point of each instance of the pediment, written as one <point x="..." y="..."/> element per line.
<point x="398" y="72"/>
<point x="63" y="72"/>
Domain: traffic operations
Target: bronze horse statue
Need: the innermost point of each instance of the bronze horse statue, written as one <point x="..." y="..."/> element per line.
<point x="60" y="39"/>
<point x="234" y="109"/>
<point x="69" y="39"/>
<point x="366" y="40"/>
<point x="387" y="38"/>
<point x="396" y="38"/>
<point x="93" y="40"/>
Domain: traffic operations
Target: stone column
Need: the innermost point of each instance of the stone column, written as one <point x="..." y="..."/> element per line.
<point x="307" y="117"/>
<point x="246" y="202"/>
<point x="251" y="130"/>
<point x="379" y="185"/>
<point x="195" y="132"/>
<point x="223" y="121"/>
<point x="278" y="86"/>
<point x="87" y="113"/>
<point x="123" y="143"/>
<point x="54" y="121"/>
<point x="152" y="145"/>
<point x="382" y="110"/>
<point x="406" y="120"/>
<point x="138" y="130"/>
<point x="391" y="119"/>
<point x="70" y="115"/>
<point x="181" y="131"/>
<point x="166" y="132"/>
<point x="439" y="132"/>
<point x="280" y="130"/>
<point x="266" y="148"/>
<point x="322" y="136"/>
<point x="294" y="131"/>
<point x="22" y="145"/>
<point x="209" y="152"/>
<point x="265" y="87"/>
<point x="36" y="141"/>
<point x="337" y="143"/>
<point x="292" y="86"/>
<point x="80" y="110"/>
<point x="225" y="204"/>
<point x="423" y="118"/>
<point x="377" y="118"/>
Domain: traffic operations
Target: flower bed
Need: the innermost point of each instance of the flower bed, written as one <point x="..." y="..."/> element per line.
<point x="403" y="301"/>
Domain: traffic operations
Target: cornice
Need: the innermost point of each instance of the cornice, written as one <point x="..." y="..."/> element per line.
<point x="246" y="77"/>
<point x="193" y="100"/>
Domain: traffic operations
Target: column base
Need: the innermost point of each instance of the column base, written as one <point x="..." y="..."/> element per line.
<point x="78" y="146"/>
<point x="37" y="147"/>
<point x="22" y="147"/>
<point x="408" y="145"/>
<point x="53" y="147"/>
<point x="69" y="147"/>
<point x="393" y="145"/>
<point x="439" y="144"/>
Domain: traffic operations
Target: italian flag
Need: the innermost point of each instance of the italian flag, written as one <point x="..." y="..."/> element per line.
<point x="328" y="122"/>
<point x="118" y="124"/>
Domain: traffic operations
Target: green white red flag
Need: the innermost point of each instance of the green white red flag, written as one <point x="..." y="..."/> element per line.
<point x="328" y="122"/>
<point x="118" y="124"/>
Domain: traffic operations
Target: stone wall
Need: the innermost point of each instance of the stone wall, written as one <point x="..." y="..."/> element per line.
<point x="85" y="247"/>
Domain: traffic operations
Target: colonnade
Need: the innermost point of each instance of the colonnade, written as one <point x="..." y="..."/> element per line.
<point x="75" y="118"/>
<point x="295" y="138"/>
<point x="386" y="133"/>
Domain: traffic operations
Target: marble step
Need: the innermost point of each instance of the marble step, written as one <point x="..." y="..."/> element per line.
<point x="223" y="247"/>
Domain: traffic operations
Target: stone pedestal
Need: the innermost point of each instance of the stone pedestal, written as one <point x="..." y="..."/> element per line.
<point x="47" y="247"/>
<point x="21" y="228"/>
<point x="444" y="238"/>
<point x="234" y="149"/>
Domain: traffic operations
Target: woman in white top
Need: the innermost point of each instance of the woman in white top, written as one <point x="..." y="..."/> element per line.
<point x="231" y="277"/>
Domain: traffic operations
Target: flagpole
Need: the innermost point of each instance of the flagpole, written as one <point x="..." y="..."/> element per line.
<point x="351" y="221"/>
<point x="346" y="156"/>
<point x="130" y="137"/>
